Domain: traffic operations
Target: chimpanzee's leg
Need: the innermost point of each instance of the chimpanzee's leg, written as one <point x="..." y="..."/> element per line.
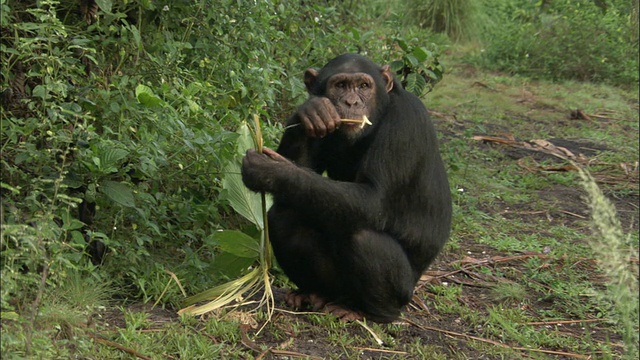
<point x="302" y="252"/>
<point x="378" y="278"/>
<point x="368" y="272"/>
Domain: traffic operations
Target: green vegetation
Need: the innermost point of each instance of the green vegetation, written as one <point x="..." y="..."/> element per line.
<point x="569" y="39"/>
<point x="586" y="40"/>
<point x="120" y="134"/>
<point x="459" y="19"/>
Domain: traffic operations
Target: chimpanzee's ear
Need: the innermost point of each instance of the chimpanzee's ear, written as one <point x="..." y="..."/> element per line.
<point x="310" y="77"/>
<point x="387" y="76"/>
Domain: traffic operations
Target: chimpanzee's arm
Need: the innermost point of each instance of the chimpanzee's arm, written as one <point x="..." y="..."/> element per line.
<point x="296" y="146"/>
<point x="328" y="204"/>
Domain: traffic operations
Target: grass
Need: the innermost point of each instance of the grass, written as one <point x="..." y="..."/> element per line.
<point x="529" y="275"/>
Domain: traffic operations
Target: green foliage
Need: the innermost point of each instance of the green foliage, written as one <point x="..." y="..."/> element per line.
<point x="119" y="124"/>
<point x="569" y="39"/>
<point x="131" y="108"/>
<point x="418" y="70"/>
<point x="133" y="113"/>
<point x="119" y="121"/>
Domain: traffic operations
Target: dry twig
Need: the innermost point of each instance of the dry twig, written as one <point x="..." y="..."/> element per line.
<point x="496" y="343"/>
<point x="564" y="322"/>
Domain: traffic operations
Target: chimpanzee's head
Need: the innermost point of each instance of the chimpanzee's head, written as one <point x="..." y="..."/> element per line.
<point x="356" y="87"/>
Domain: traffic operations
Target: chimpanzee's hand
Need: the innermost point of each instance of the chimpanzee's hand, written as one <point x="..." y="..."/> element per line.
<point x="260" y="171"/>
<point x="318" y="116"/>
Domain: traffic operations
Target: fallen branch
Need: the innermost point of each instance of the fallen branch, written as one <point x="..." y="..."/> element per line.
<point x="380" y="350"/>
<point x="118" y="346"/>
<point x="573" y="214"/>
<point x="286" y="353"/>
<point x="261" y="354"/>
<point x="472" y="263"/>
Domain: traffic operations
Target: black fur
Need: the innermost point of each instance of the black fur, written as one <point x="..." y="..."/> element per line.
<point x="362" y="235"/>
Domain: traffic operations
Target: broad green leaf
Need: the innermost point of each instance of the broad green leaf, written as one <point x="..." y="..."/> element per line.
<point x="403" y="45"/>
<point x="231" y="265"/>
<point x="416" y="84"/>
<point x="245" y="140"/>
<point x="431" y="74"/>
<point x="40" y="91"/>
<point x="109" y="158"/>
<point x="105" y="5"/>
<point x="237" y="243"/>
<point x="412" y="60"/>
<point x="118" y="192"/>
<point x="146" y="97"/>
<point x="244" y="202"/>
<point x="397" y="65"/>
<point x="69" y="222"/>
<point x="112" y="155"/>
<point x="78" y="239"/>
<point x="421" y="53"/>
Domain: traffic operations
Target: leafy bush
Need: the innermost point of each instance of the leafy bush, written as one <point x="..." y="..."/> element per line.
<point x="418" y="69"/>
<point x="570" y="39"/>
<point x="119" y="119"/>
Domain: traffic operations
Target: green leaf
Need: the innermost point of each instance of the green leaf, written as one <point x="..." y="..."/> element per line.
<point x="109" y="158"/>
<point x="78" y="239"/>
<point x="397" y="66"/>
<point x="416" y="84"/>
<point x="412" y="60"/>
<point x="105" y="5"/>
<point x="420" y="53"/>
<point x="237" y="243"/>
<point x="146" y="97"/>
<point x="403" y="45"/>
<point x="41" y="92"/>
<point x="245" y="140"/>
<point x="244" y="202"/>
<point x="230" y="265"/>
<point x="69" y="222"/>
<point x="118" y="192"/>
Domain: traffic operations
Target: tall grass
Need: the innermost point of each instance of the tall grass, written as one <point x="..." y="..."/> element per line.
<point x="614" y="250"/>
<point x="456" y="18"/>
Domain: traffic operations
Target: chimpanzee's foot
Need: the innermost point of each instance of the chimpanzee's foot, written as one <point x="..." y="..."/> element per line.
<point x="298" y="300"/>
<point x="343" y="313"/>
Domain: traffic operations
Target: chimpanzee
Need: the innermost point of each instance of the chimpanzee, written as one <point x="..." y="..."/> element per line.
<point x="359" y="211"/>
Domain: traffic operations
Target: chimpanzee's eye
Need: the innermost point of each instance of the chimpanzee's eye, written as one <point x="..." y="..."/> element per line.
<point x="364" y="86"/>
